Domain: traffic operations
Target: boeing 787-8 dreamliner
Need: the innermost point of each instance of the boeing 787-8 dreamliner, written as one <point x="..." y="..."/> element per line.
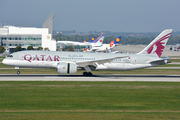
<point x="69" y="62"/>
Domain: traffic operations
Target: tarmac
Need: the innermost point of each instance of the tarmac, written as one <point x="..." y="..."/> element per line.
<point x="127" y="78"/>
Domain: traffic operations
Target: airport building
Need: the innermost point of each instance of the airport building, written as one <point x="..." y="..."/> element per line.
<point x="11" y="37"/>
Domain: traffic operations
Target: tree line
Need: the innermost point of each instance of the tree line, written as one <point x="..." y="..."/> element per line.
<point x="19" y="48"/>
<point x="124" y="40"/>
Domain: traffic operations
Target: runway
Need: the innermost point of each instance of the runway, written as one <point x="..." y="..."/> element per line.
<point x="145" y="78"/>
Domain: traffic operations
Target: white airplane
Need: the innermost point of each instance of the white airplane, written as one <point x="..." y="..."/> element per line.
<point x="177" y="47"/>
<point x="92" y="42"/>
<point x="69" y="62"/>
<point x="105" y="47"/>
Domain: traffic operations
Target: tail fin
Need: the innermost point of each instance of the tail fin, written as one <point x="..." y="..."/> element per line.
<point x="99" y="40"/>
<point x="92" y="39"/>
<point x="117" y="40"/>
<point x="85" y="41"/>
<point x="114" y="42"/>
<point x="158" y="44"/>
<point x="111" y="45"/>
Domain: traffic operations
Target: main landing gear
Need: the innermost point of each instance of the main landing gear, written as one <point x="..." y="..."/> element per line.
<point x="87" y="74"/>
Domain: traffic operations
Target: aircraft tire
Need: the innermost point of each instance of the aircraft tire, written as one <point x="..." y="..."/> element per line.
<point x="90" y="74"/>
<point x="87" y="74"/>
<point x="18" y="72"/>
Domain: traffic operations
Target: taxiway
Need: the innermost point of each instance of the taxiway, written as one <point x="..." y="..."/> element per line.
<point x="149" y="78"/>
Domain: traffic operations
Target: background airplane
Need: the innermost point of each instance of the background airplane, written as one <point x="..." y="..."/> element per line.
<point x="105" y="47"/>
<point x="92" y="39"/>
<point x="69" y="62"/>
<point x="177" y="47"/>
<point x="96" y="42"/>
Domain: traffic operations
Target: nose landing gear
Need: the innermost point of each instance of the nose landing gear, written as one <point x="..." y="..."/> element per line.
<point x="18" y="72"/>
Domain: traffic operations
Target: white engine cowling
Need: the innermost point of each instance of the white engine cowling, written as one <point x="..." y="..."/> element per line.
<point x="64" y="68"/>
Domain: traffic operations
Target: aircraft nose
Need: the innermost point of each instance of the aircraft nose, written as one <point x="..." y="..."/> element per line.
<point x="8" y="62"/>
<point x="5" y="61"/>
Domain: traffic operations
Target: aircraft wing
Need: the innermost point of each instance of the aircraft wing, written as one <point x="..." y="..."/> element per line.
<point x="97" y="62"/>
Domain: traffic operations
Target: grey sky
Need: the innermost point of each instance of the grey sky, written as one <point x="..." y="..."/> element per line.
<point x="94" y="15"/>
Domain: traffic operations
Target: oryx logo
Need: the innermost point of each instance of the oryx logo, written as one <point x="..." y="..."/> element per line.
<point x="158" y="46"/>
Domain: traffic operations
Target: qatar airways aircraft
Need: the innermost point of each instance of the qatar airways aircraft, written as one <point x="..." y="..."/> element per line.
<point x="69" y="62"/>
<point x="92" y="42"/>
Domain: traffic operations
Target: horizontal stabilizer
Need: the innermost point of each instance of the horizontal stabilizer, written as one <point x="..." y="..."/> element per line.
<point x="165" y="60"/>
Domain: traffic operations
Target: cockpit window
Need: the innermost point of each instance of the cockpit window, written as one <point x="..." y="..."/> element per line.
<point x="10" y="56"/>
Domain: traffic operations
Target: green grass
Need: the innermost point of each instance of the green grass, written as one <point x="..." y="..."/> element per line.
<point x="169" y="65"/>
<point x="174" y="56"/>
<point x="5" y="66"/>
<point x="175" y="60"/>
<point x="2" y="57"/>
<point x="90" y="100"/>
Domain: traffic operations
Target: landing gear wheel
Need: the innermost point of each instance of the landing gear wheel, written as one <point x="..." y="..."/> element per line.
<point x="87" y="74"/>
<point x="90" y="74"/>
<point x="18" y="72"/>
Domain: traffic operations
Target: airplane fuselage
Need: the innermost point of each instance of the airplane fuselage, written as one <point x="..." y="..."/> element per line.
<point x="50" y="59"/>
<point x="69" y="62"/>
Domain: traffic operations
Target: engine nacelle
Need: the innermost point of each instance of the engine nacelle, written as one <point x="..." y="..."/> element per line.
<point x="64" y="68"/>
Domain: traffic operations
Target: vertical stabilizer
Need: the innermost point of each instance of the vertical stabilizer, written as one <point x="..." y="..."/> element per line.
<point x="111" y="45"/>
<point x="99" y="40"/>
<point x="117" y="40"/>
<point x="92" y="39"/>
<point x="158" y="44"/>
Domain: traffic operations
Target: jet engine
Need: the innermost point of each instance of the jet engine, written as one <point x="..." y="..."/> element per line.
<point x="64" y="68"/>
